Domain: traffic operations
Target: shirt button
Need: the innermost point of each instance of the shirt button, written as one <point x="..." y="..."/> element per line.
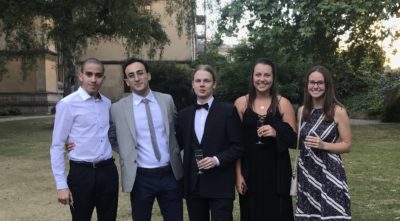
<point x="134" y="161"/>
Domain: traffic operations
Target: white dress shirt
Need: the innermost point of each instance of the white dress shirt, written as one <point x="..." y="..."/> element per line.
<point x="84" y="121"/>
<point x="146" y="156"/>
<point x="200" y="122"/>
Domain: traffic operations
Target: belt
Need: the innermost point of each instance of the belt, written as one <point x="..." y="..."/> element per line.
<point x="163" y="169"/>
<point x="103" y="163"/>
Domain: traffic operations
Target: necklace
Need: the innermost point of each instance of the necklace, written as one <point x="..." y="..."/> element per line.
<point x="262" y="107"/>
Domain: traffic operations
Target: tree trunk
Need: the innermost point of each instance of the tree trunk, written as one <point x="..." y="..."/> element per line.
<point x="70" y="74"/>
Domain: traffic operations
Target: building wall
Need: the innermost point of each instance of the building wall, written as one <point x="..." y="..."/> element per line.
<point x="112" y="52"/>
<point x="113" y="86"/>
<point x="39" y="92"/>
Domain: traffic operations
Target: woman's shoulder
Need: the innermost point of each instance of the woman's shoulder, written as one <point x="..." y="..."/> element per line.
<point x="241" y="102"/>
<point x="284" y="104"/>
<point x="340" y="112"/>
<point x="340" y="109"/>
<point x="283" y="100"/>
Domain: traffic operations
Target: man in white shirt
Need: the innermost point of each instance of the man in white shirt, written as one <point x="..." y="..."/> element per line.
<point x="82" y="118"/>
<point x="142" y="132"/>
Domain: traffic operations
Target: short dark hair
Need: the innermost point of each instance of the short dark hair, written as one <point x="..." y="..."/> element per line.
<point x="207" y="68"/>
<point x="91" y="61"/>
<point x="134" y="60"/>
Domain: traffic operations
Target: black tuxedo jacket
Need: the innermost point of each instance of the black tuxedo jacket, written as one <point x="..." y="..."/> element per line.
<point x="221" y="138"/>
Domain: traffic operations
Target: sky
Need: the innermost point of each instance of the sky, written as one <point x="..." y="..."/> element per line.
<point x="392" y="59"/>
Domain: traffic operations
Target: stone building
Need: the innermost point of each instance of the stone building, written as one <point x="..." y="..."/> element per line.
<point x="38" y="92"/>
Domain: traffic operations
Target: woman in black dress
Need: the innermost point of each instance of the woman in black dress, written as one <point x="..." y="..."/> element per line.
<point x="263" y="173"/>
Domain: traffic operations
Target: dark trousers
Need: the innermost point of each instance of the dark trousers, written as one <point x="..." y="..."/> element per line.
<point x="93" y="188"/>
<point x="162" y="186"/>
<point x="199" y="208"/>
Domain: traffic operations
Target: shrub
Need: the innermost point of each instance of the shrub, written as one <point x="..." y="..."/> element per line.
<point x="371" y="103"/>
<point x="9" y="111"/>
<point x="174" y="79"/>
<point x="391" y="109"/>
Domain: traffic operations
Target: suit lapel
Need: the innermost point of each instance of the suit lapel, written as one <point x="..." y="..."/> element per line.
<point x="192" y="132"/>
<point x="164" y="112"/>
<point x="128" y="111"/>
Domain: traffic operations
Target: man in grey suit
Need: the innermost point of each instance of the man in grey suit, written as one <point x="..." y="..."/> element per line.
<point x="142" y="132"/>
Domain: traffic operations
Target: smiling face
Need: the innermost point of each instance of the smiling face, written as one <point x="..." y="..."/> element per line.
<point x="262" y="77"/>
<point x="137" y="78"/>
<point x="203" y="85"/>
<point x="316" y="85"/>
<point x="91" y="78"/>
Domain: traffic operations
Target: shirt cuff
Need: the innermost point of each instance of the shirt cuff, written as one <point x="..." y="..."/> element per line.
<point x="216" y="160"/>
<point x="62" y="185"/>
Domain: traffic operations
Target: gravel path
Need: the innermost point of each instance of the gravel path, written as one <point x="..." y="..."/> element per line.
<point x="364" y="122"/>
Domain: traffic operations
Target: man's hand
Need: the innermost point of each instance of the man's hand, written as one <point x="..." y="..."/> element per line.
<point x="69" y="146"/>
<point x="207" y="163"/>
<point x="64" y="196"/>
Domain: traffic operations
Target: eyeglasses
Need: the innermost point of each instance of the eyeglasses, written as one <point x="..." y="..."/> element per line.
<point x="318" y="83"/>
<point x="138" y="74"/>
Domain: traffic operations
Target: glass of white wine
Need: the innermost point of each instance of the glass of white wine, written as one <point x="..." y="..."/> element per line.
<point x="198" y="155"/>
<point x="260" y="123"/>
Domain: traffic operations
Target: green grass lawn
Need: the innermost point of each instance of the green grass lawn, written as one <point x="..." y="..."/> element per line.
<point x="27" y="185"/>
<point x="373" y="171"/>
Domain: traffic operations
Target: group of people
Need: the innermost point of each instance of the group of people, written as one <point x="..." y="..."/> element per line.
<point x="224" y="146"/>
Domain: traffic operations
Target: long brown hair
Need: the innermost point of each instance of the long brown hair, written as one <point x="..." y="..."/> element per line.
<point x="329" y="98"/>
<point x="272" y="91"/>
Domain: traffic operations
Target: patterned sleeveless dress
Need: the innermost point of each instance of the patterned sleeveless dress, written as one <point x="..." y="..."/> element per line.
<point x="322" y="187"/>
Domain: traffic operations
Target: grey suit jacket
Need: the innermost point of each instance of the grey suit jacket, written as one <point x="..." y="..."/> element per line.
<point x="122" y="136"/>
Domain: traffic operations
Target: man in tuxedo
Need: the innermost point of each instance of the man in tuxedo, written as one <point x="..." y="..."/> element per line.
<point x="142" y="132"/>
<point x="213" y="127"/>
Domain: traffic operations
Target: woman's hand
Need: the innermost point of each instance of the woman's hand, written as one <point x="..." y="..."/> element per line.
<point x="314" y="142"/>
<point x="241" y="186"/>
<point x="266" y="131"/>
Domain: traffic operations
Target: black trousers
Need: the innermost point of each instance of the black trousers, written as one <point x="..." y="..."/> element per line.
<point x="93" y="188"/>
<point x="201" y="209"/>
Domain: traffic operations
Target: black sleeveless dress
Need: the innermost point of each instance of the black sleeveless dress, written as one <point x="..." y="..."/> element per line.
<point x="260" y="166"/>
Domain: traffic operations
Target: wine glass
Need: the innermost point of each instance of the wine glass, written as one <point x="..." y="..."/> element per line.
<point x="198" y="155"/>
<point x="260" y="123"/>
<point x="311" y="133"/>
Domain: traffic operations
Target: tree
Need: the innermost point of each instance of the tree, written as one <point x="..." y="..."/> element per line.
<point x="30" y="26"/>
<point x="299" y="33"/>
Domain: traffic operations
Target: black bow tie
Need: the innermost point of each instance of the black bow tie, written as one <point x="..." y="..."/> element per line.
<point x="199" y="106"/>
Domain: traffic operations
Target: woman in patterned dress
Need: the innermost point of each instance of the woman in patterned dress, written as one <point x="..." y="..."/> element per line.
<point x="325" y="134"/>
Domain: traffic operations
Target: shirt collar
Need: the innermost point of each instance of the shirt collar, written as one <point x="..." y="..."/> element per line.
<point x="137" y="98"/>
<point x="210" y="101"/>
<point x="85" y="96"/>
